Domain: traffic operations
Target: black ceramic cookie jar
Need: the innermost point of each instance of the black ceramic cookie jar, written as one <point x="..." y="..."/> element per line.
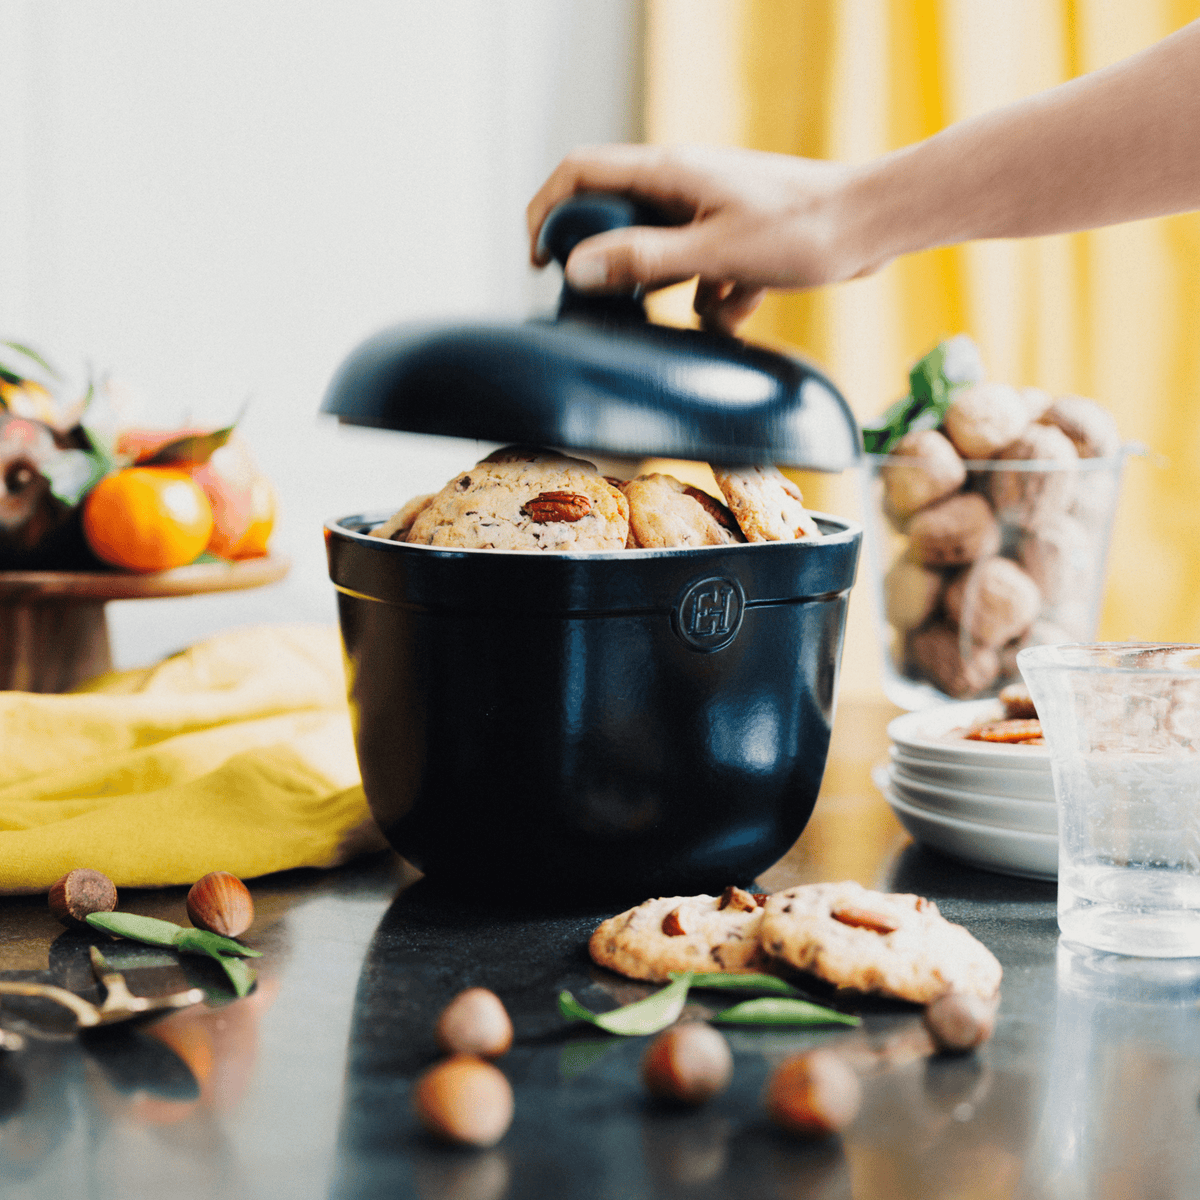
<point x="617" y="725"/>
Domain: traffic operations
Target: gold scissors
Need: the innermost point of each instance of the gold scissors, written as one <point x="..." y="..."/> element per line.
<point x="120" y="1004"/>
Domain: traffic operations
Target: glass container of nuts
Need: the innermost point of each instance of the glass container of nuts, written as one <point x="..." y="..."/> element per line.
<point x="988" y="512"/>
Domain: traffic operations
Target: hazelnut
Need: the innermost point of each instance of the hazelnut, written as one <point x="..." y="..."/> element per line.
<point x="688" y="1063"/>
<point x="475" y="1022"/>
<point x="220" y="903"/>
<point x="936" y="471"/>
<point x="954" y="531"/>
<point x="993" y="602"/>
<point x="983" y="418"/>
<point x="960" y="1021"/>
<point x="80" y="892"/>
<point x="813" y="1094"/>
<point x="464" y="1100"/>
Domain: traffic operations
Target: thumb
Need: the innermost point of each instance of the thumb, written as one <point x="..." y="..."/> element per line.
<point x="621" y="259"/>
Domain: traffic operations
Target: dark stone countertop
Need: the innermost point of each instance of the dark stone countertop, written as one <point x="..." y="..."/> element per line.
<point x="1089" y="1087"/>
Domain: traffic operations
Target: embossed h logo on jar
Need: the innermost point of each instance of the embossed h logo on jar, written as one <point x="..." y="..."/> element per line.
<point x="709" y="613"/>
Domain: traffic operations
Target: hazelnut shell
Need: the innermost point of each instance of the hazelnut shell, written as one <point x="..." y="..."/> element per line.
<point x="475" y="1022"/>
<point x="688" y="1064"/>
<point x="80" y="892"/>
<point x="220" y="903"/>
<point x="813" y="1094"/>
<point x="464" y="1100"/>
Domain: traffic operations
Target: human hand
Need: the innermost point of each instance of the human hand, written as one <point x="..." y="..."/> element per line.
<point x="749" y="221"/>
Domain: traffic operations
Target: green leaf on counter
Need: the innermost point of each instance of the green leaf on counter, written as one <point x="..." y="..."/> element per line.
<point x="730" y="981"/>
<point x="581" y="1055"/>
<point x="195" y="941"/>
<point x="773" y="1010"/>
<point x="195" y="448"/>
<point x="204" y="942"/>
<point x="642" y="1017"/>
<point x="140" y="929"/>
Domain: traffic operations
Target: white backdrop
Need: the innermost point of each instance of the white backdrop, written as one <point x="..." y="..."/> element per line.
<point x="216" y="199"/>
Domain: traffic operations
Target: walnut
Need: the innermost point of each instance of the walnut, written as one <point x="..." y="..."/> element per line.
<point x="993" y="602"/>
<point x="984" y="418"/>
<point x="1026" y="497"/>
<point x="1090" y="427"/>
<point x="910" y="594"/>
<point x="954" y="531"/>
<point x="937" y="471"/>
<point x="1058" y="555"/>
<point x="952" y="662"/>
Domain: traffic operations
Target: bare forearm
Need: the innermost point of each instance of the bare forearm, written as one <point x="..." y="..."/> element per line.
<point x="1117" y="145"/>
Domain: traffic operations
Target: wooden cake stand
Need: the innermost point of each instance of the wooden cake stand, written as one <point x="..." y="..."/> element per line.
<point x="53" y="632"/>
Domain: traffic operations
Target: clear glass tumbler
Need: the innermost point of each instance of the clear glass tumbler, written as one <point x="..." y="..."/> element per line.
<point x="1122" y="721"/>
<point x="1015" y="556"/>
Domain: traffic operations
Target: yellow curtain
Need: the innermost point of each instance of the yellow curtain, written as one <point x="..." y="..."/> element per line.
<point x="1113" y="314"/>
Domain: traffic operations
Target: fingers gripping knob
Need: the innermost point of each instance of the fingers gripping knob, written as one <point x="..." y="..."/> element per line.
<point x="586" y="214"/>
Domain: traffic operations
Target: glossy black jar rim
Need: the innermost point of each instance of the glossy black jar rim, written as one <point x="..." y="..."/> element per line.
<point x="500" y="581"/>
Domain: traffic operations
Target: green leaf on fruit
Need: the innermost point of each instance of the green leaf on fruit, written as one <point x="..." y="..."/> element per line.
<point x="778" y="1010"/>
<point x="651" y="1015"/>
<point x="194" y="449"/>
<point x="31" y="354"/>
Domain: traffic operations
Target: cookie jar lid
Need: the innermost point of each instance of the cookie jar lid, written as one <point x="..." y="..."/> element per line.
<point x="598" y="377"/>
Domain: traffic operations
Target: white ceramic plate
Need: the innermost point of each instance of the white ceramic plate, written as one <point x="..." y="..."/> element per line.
<point x="1027" y="816"/>
<point x="1009" y="851"/>
<point x="929" y="734"/>
<point x="1020" y="783"/>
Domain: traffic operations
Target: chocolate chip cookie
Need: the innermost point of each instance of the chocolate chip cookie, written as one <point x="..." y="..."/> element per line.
<point x="526" y="500"/>
<point x="894" y="945"/>
<point x="767" y="505"/>
<point x="682" y="933"/>
<point x="664" y="511"/>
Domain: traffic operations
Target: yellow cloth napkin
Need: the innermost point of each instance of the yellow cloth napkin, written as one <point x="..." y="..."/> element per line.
<point x="234" y="755"/>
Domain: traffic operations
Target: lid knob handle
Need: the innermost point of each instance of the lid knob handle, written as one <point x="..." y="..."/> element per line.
<point x="578" y="217"/>
<point x="588" y="213"/>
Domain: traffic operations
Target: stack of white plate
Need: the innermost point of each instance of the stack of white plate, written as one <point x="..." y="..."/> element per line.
<point x="986" y="803"/>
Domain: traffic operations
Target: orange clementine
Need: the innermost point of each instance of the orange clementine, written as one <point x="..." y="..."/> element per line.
<point x="147" y="518"/>
<point x="262" y="520"/>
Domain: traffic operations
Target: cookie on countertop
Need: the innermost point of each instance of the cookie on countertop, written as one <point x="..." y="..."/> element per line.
<point x="665" y="511"/>
<point x="893" y="945"/>
<point x="526" y="499"/>
<point x="682" y="933"/>
<point x="767" y="505"/>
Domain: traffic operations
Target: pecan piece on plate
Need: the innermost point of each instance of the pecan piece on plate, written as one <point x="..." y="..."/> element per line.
<point x="557" y="506"/>
<point x="1008" y="731"/>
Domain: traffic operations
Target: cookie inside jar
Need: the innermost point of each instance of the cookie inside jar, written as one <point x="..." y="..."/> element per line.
<point x="535" y="498"/>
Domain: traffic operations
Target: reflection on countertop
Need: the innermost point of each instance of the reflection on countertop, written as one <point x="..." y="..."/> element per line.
<point x="1089" y="1087"/>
